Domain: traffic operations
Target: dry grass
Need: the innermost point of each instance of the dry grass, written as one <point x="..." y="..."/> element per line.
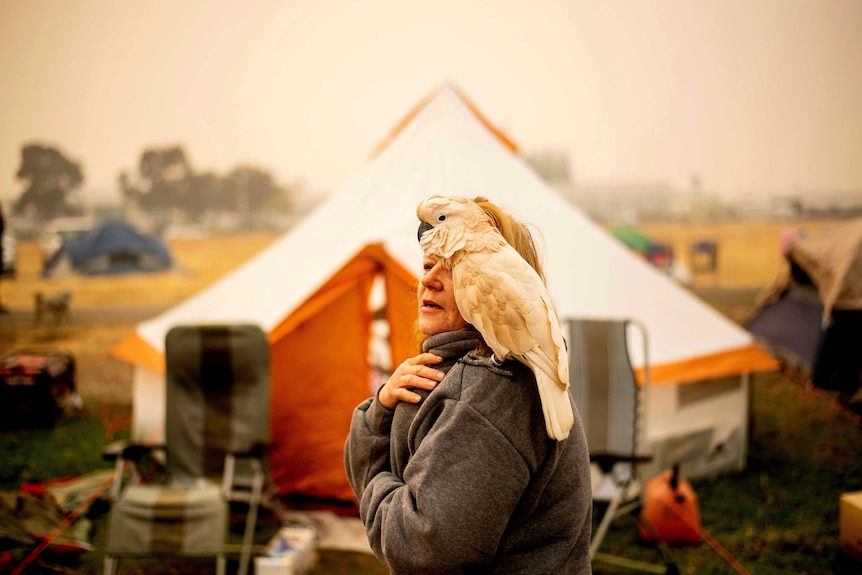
<point x="748" y="257"/>
<point x="201" y="262"/>
<point x="748" y="252"/>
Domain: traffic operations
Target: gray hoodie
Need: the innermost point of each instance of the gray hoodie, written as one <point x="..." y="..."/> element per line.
<point x="468" y="481"/>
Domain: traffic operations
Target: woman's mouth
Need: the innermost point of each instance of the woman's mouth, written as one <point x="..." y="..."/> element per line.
<point x="430" y="304"/>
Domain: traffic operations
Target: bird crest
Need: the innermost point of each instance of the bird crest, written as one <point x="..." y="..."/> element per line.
<point x="451" y="224"/>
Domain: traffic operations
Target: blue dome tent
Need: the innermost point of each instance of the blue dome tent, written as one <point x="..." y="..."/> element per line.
<point x="113" y="247"/>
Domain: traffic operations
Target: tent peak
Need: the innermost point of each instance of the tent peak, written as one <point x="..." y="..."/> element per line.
<point x="447" y="87"/>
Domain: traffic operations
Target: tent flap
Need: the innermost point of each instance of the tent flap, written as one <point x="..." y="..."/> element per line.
<point x="322" y="374"/>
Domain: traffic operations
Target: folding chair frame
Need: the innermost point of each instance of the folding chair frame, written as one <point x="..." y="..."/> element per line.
<point x="619" y="465"/>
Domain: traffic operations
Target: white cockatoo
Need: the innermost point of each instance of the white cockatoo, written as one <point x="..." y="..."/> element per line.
<point x="502" y="296"/>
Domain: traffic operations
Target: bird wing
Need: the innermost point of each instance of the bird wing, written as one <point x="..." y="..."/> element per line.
<point x="504" y="298"/>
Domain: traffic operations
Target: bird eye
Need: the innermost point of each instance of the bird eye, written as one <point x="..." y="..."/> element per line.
<point x="442" y="217"/>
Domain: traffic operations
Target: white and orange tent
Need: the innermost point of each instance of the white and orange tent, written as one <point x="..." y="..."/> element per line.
<point x="310" y="291"/>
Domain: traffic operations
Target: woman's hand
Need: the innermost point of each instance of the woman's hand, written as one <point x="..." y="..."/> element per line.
<point x="413" y="373"/>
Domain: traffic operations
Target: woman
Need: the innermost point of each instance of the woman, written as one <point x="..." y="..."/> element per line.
<point x="451" y="461"/>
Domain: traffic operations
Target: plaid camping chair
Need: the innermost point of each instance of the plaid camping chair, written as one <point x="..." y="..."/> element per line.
<point x="216" y="429"/>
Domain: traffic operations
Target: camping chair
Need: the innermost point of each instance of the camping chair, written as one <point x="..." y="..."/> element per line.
<point x="612" y="406"/>
<point x="216" y="430"/>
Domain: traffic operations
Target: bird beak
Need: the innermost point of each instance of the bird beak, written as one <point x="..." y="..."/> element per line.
<point x="423" y="227"/>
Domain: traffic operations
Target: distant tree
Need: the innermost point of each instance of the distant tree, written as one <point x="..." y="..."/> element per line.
<point x="206" y="193"/>
<point x="51" y="178"/>
<point x="253" y="191"/>
<point x="130" y="193"/>
<point x="168" y="190"/>
<point x="167" y="173"/>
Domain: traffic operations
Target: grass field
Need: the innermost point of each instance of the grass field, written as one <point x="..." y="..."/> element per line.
<point x="748" y="259"/>
<point x="779" y="516"/>
<point x="748" y="256"/>
<point x="748" y="252"/>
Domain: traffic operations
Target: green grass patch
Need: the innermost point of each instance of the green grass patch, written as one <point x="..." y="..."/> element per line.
<point x="779" y="516"/>
<point x="74" y="447"/>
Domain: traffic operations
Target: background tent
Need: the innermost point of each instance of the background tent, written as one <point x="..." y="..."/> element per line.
<point x="811" y="315"/>
<point x="657" y="253"/>
<point x="112" y="247"/>
<point x="633" y="238"/>
<point x="311" y="291"/>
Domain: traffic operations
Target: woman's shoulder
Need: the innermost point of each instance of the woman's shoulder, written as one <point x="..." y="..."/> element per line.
<point x="507" y="396"/>
<point x="492" y="368"/>
<point x="490" y="381"/>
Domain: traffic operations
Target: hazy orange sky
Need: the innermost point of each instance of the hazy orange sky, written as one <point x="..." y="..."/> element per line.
<point x="752" y="95"/>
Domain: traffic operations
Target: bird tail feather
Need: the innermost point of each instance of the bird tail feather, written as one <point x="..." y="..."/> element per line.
<point x="558" y="372"/>
<point x="556" y="406"/>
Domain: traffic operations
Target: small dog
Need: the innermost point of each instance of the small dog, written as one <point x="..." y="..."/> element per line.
<point x="56" y="306"/>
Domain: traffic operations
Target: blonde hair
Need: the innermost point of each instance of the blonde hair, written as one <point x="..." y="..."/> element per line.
<point x="514" y="232"/>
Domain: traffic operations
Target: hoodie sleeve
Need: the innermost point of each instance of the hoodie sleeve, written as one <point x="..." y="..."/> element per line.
<point x="366" y="451"/>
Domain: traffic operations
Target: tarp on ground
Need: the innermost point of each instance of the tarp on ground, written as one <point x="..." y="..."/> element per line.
<point x="310" y="291"/>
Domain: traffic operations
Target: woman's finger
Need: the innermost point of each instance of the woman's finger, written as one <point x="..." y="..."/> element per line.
<point x="412" y="373"/>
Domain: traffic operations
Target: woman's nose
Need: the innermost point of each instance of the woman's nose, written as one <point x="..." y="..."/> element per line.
<point x="430" y="280"/>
